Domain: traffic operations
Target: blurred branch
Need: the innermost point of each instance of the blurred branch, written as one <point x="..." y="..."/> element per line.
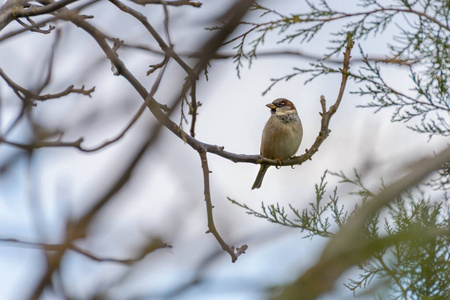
<point x="154" y="245"/>
<point x="326" y="116"/>
<point x="162" y="44"/>
<point x="41" y="23"/>
<point x="22" y="30"/>
<point x="7" y="11"/>
<point x="327" y="15"/>
<point x="24" y="93"/>
<point x="193" y="107"/>
<point x="77" y="228"/>
<point x="35" y="10"/>
<point x="168" y="52"/>
<point x="49" y="70"/>
<point x="172" y="3"/>
<point x="14" y="9"/>
<point x="235" y="14"/>
<point x="336" y="258"/>
<point x="218" y="150"/>
<point x="44" y="144"/>
<point x="284" y="53"/>
<point x="313" y="57"/>
<point x="348" y="247"/>
<point x="34" y="27"/>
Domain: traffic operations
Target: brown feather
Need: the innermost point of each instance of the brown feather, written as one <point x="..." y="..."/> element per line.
<point x="281" y="136"/>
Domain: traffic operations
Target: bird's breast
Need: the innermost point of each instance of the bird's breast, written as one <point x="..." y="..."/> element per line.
<point x="281" y="139"/>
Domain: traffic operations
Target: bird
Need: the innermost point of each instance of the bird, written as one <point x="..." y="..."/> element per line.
<point x="281" y="136"/>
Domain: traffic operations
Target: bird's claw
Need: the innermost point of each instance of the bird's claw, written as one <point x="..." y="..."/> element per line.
<point x="279" y="161"/>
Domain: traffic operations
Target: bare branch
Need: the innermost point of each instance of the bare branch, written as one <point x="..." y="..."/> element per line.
<point x="25" y="93"/>
<point x="154" y="245"/>
<point x="326" y="115"/>
<point x="17" y="9"/>
<point x="162" y="44"/>
<point x="35" y="27"/>
<point x="41" y="23"/>
<point x="209" y="211"/>
<point x="44" y="144"/>
<point x="168" y="52"/>
<point x="287" y="52"/>
<point x="78" y="228"/>
<point x="172" y="3"/>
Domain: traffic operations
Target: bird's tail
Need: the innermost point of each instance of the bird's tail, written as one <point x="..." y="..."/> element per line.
<point x="260" y="177"/>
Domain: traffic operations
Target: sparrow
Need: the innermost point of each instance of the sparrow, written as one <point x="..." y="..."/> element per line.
<point x="281" y="136"/>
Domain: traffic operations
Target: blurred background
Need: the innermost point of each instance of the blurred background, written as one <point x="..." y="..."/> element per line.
<point x="163" y="201"/>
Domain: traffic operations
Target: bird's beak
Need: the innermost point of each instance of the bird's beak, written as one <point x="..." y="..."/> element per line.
<point x="271" y="106"/>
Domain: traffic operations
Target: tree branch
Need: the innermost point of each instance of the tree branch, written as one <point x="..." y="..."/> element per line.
<point x="209" y="211"/>
<point x="326" y="115"/>
<point x="25" y="93"/>
<point x="156" y="244"/>
<point x="348" y="247"/>
<point x="77" y="229"/>
<point x="14" y="9"/>
<point x="162" y="44"/>
<point x="172" y="3"/>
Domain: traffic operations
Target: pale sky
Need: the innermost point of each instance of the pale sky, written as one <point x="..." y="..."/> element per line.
<point x="165" y="196"/>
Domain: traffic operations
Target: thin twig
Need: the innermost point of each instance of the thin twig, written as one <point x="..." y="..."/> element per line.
<point x="209" y="207"/>
<point x="172" y="3"/>
<point x="157" y="244"/>
<point x="193" y="106"/>
<point x="162" y="44"/>
<point x="34" y="27"/>
<point x="16" y="9"/>
<point x="167" y="48"/>
<point x="282" y="53"/>
<point x="40" y="23"/>
<point x="77" y="229"/>
<point x="326" y="115"/>
<point x="23" y="92"/>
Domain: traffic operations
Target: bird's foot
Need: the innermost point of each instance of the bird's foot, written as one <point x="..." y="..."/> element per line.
<point x="279" y="161"/>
